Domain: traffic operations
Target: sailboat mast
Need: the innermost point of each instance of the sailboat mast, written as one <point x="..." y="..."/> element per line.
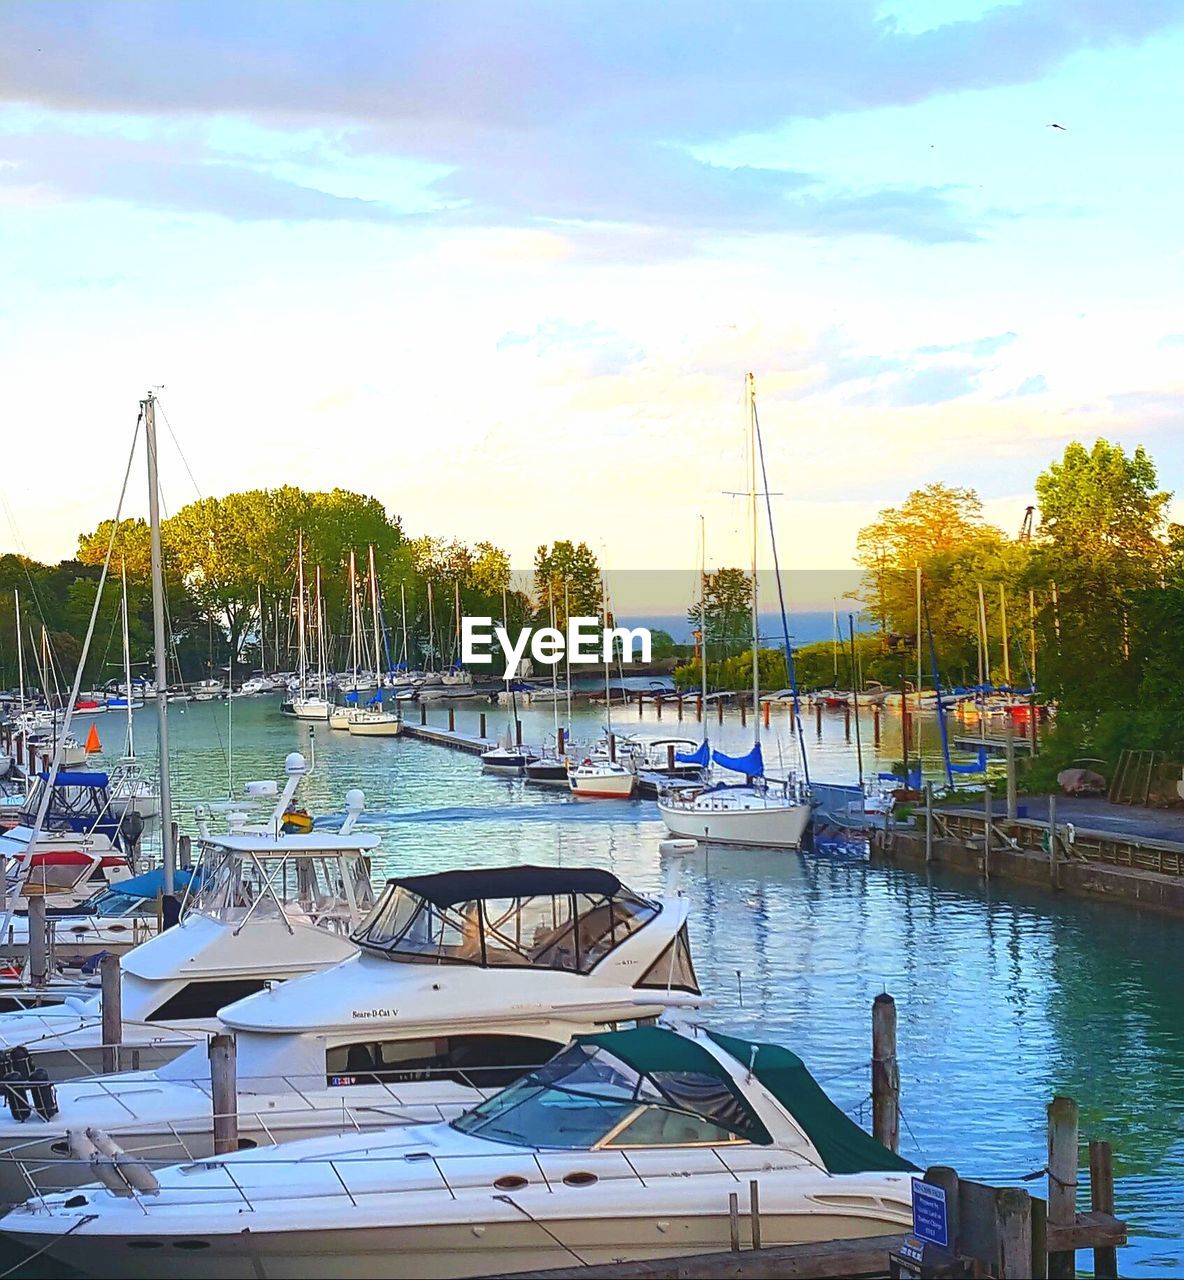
<point x="160" y="652"/>
<point x="986" y="639"/>
<point x="301" y="644"/>
<point x="703" y="610"/>
<point x="431" y="627"/>
<point x="262" y="629"/>
<point x="1003" y="628"/>
<point x="374" y="610"/>
<point x="1032" y="635"/>
<point x="403" y="608"/>
<point x="319" y="611"/>
<point x="20" y="647"/>
<point x="456" y="638"/>
<point x="127" y="663"/>
<point x="353" y="617"/>
<point x="567" y="653"/>
<point x="608" y="700"/>
<point x="554" y="667"/>
<point x="750" y="402"/>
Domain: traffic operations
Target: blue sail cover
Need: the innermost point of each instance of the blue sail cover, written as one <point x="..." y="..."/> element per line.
<point x="977" y="766"/>
<point x="375" y="701"/>
<point x="752" y="765"/>
<point x="352" y="696"/>
<point x="700" y="756"/>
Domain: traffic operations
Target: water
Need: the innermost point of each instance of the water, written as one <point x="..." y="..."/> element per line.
<point x="1006" y="995"/>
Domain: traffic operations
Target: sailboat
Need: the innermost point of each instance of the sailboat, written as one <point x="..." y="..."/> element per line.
<point x="304" y="705"/>
<point x="131" y="789"/>
<point x="374" y="721"/>
<point x="603" y="777"/>
<point x="756" y="812"/>
<point x="509" y="757"/>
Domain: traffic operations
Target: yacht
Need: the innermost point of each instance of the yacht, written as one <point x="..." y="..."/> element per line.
<point x="464" y="980"/>
<point x="375" y="722"/>
<point x="594" y="779"/>
<point x="624" y="1147"/>
<point x="263" y="906"/>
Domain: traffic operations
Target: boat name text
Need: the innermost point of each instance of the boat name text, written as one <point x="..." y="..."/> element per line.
<point x="585" y="641"/>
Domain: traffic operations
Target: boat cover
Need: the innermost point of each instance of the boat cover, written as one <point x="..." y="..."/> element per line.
<point x="752" y="765"/>
<point x="151" y="883"/>
<point x="700" y="756"/>
<point x="76" y="778"/>
<point x="448" y="888"/>
<point x="842" y="1144"/>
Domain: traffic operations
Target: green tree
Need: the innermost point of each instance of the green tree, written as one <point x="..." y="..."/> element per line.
<point x="568" y="574"/>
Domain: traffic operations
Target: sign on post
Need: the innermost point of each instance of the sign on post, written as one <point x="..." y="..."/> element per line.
<point x="931" y="1222"/>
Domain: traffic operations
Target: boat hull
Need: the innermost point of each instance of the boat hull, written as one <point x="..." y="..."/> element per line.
<point x="437" y="1251"/>
<point x="375" y="728"/>
<point x="608" y="787"/>
<point x="772" y="827"/>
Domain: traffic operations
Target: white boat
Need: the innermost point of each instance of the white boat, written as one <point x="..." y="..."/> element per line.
<point x="207" y="690"/>
<point x="465" y="980"/>
<point x="373" y="722"/>
<point x="264" y="906"/>
<point x="601" y="780"/>
<point x="759" y="812"/>
<point x="303" y="704"/>
<point x="340" y="717"/>
<point x="623" y="1148"/>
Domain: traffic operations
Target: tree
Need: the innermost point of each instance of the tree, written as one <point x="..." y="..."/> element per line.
<point x="722" y="615"/>
<point x="567" y="574"/>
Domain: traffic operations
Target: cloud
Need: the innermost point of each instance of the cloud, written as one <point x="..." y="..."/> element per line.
<point x="972" y="346"/>
<point x="589" y="349"/>
<point x="578" y="118"/>
<point x="926" y="386"/>
<point x="1036" y="385"/>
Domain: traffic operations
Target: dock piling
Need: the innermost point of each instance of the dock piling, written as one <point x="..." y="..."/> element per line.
<point x="1062" y="1181"/>
<point x="185" y="852"/>
<point x="699" y="709"/>
<point x="720" y="708"/>
<point x="767" y="706"/>
<point x="423" y="713"/>
<point x="680" y="708"/>
<point x="818" y="718"/>
<point x="670" y="758"/>
<point x="112" y="1011"/>
<point x="224" y="1093"/>
<point x="559" y="737"/>
<point x="734" y="1220"/>
<point x="743" y="715"/>
<point x="1101" y="1200"/>
<point x="658" y="705"/>
<point x="451" y="719"/>
<point x="481" y="729"/>
<point x="517" y="733"/>
<point x="929" y="822"/>
<point x="754" y="1211"/>
<point x="1054" y="870"/>
<point x="847" y="722"/>
<point x="876" y="725"/>
<point x="987" y="830"/>
<point x="885" y="1073"/>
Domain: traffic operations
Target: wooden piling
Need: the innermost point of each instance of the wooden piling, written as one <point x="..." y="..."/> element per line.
<point x="734" y="1221"/>
<point x="743" y="715"/>
<point x="224" y="1093"/>
<point x="1101" y="1200"/>
<point x="451" y="719"/>
<point x="720" y="708"/>
<point x="481" y="724"/>
<point x="987" y="834"/>
<point x="847" y="722"/>
<point x="699" y="709"/>
<point x="885" y="1073"/>
<point x="423" y="713"/>
<point x="560" y="734"/>
<point x="1013" y="1231"/>
<point x="1062" y="1181"/>
<point x="680" y="708"/>
<point x="754" y="1211"/>
<point x="670" y="757"/>
<point x="929" y="822"/>
<point x="1054" y="869"/>
<point x="658" y="705"/>
<point x="767" y="706"/>
<point x="612" y="747"/>
<point x="818" y="718"/>
<point x="517" y="733"/>
<point x="876" y="729"/>
<point x="185" y="852"/>
<point x="1011" y="783"/>
<point x="38" y="941"/>
<point x="112" y="1012"/>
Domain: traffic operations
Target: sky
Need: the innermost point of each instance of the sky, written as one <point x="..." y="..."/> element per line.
<point x="504" y="265"/>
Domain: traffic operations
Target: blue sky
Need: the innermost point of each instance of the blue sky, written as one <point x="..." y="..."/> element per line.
<point x="505" y="264"/>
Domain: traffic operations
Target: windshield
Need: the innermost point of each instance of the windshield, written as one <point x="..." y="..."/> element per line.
<point x="585" y="1099"/>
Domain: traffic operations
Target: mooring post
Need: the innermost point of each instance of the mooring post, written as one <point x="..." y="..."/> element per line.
<point x="734" y="1220"/>
<point x="680" y="708"/>
<point x="876" y="730"/>
<point x="38" y="941"/>
<point x="451" y="719"/>
<point x="699" y="709"/>
<point x="559" y="743"/>
<point x="224" y="1093"/>
<point x="847" y="722"/>
<point x="818" y="718"/>
<point x="987" y="811"/>
<point x="1011" y="784"/>
<point x="754" y="1211"/>
<point x="767" y="706"/>
<point x="112" y="1011"/>
<point x="481" y="724"/>
<point x="743" y="714"/>
<point x="658" y="705"/>
<point x="517" y="733"/>
<point x="1013" y="1230"/>
<point x="720" y="706"/>
<point x="612" y="748"/>
<point x="423" y="713"/>
<point x="885" y="1073"/>
<point x="1101" y="1200"/>
<point x="185" y="852"/>
<point x="670" y="757"/>
<point x="1054" y="870"/>
<point x="929" y="822"/>
<point x="1062" y="1181"/>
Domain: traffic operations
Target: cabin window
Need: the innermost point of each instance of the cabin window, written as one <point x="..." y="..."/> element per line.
<point x="673" y="970"/>
<point x="658" y="1127"/>
<point x="204" y="999"/>
<point x="479" y="1061"/>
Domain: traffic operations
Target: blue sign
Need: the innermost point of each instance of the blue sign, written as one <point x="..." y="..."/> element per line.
<point x="930" y="1221"/>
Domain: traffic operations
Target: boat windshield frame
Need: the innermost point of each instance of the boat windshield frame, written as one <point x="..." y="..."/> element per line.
<point x="569" y="931"/>
<point x="587" y="1099"/>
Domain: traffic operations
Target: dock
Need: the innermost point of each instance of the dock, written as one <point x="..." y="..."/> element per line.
<point x="995" y="747"/>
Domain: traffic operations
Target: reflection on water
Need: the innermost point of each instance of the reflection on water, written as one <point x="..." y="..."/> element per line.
<point x="1006" y="994"/>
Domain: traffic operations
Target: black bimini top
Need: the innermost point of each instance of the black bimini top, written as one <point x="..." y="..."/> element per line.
<point x="450" y="888"/>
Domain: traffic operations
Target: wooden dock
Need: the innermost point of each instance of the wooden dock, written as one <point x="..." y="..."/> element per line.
<point x="467" y="742"/>
<point x="995" y="747"/>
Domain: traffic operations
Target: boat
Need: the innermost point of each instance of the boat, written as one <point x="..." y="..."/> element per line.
<point x="464" y="981"/>
<point x="264" y="906"/>
<point x="303" y="704"/>
<point x="624" y="1147"/>
<point x="509" y="757"/>
<point x="131" y="789"/>
<point x="759" y="812"/>
<point x="374" y="722"/>
<point x="549" y="770"/>
<point x="594" y="779"/>
<point x="207" y="690"/>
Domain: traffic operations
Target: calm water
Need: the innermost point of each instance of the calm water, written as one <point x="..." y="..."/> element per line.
<point x="1006" y="995"/>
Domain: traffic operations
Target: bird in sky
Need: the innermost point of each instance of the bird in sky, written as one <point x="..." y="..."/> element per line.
<point x="1061" y="127"/>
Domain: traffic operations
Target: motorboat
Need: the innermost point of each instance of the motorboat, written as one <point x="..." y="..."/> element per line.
<point x="265" y="905"/>
<point x="508" y="760"/>
<point x="464" y="981"/>
<point x="549" y="770"/>
<point x="624" y="1147"/>
<point x="594" y="779"/>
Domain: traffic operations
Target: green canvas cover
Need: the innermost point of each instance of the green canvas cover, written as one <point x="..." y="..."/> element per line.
<point x="842" y="1144"/>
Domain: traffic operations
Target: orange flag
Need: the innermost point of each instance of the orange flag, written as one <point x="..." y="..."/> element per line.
<point x="92" y="741"/>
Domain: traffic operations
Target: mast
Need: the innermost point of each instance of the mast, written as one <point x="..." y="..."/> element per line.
<point x="353" y="616"/>
<point x="403" y="607"/>
<point x="322" y="686"/>
<point x="703" y="613"/>
<point x="301" y="644"/>
<point x="834" y="644"/>
<point x="750" y="402"/>
<point x="160" y="657"/>
<point x="431" y="628"/>
<point x="567" y="656"/>
<point x="554" y="667"/>
<point x="127" y="663"/>
<point x="262" y="629"/>
<point x="374" y="609"/>
<point x="1003" y="628"/>
<point x="986" y="638"/>
<point x="608" y="700"/>
<point x="456" y="638"/>
<point x="20" y="648"/>
<point x="1032" y="635"/>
